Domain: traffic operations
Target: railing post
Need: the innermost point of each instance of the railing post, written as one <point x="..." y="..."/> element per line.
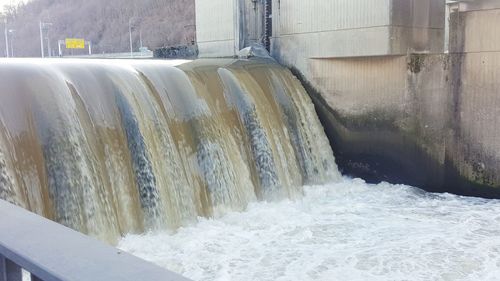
<point x="2" y="269"/>
<point x="9" y="271"/>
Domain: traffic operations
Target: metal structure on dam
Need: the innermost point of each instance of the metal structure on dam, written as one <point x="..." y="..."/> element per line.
<point x="407" y="90"/>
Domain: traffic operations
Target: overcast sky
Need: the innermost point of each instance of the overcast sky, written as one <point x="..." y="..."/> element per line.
<point x="8" y="2"/>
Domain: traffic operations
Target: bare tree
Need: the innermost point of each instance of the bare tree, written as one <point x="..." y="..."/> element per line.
<point x="158" y="22"/>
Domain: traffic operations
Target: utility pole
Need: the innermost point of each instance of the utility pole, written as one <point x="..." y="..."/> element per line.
<point x="130" y="36"/>
<point x="59" y="43"/>
<point x="42" y="26"/>
<point x="49" y="51"/>
<point x="41" y="39"/>
<point x="6" y="38"/>
<point x="140" y="38"/>
<point x="11" y="32"/>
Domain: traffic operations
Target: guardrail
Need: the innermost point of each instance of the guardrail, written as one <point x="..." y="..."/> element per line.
<point x="135" y="55"/>
<point x="52" y="252"/>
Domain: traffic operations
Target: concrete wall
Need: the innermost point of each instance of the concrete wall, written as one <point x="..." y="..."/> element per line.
<point x="223" y="27"/>
<point x="385" y="116"/>
<point x="217" y="36"/>
<point x="419" y="117"/>
<point x="474" y="140"/>
<point x="322" y="29"/>
<point x="355" y="28"/>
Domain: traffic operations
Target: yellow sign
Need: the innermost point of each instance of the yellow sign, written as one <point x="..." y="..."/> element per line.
<point x="74" y="43"/>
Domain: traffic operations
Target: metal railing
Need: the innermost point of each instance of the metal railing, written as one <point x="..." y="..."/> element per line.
<point x="52" y="252"/>
<point x="135" y="55"/>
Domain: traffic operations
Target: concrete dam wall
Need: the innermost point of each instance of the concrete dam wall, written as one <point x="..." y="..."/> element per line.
<point x="407" y="91"/>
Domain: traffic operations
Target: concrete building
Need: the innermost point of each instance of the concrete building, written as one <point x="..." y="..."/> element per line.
<point x="407" y="90"/>
<point x="321" y="29"/>
<point x="223" y="27"/>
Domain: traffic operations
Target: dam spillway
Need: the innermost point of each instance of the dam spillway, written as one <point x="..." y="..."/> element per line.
<point x="115" y="147"/>
<point x="140" y="148"/>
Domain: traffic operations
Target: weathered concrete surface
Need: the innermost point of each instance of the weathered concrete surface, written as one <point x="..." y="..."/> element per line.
<point x="223" y="27"/>
<point x="429" y="120"/>
<point x="216" y="36"/>
<point x="321" y="29"/>
<point x="356" y="28"/>
<point x="473" y="145"/>
<point x="384" y="116"/>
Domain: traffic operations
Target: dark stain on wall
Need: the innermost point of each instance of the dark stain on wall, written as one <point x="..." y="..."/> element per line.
<point x="372" y="148"/>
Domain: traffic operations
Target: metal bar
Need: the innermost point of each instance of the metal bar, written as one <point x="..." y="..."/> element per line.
<point x="53" y="252"/>
<point x="12" y="46"/>
<point x="130" y="37"/>
<point x="41" y="40"/>
<point x="6" y="39"/>
<point x="3" y="276"/>
<point x="59" y="42"/>
<point x="49" y="51"/>
<point x="140" y="38"/>
<point x="14" y="271"/>
<point x="268" y="24"/>
<point x="9" y="271"/>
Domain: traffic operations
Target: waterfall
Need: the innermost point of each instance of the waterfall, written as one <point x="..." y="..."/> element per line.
<point x="115" y="147"/>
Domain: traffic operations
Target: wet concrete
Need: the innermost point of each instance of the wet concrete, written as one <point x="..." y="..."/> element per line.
<point x="441" y="138"/>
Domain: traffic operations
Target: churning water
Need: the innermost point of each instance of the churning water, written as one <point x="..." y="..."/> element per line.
<point x="348" y="230"/>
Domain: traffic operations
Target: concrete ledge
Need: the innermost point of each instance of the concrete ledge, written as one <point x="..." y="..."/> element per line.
<point x="362" y="42"/>
<point x="52" y="252"/>
<point x="217" y="49"/>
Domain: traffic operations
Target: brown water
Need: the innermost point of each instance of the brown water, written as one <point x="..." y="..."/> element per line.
<point x="115" y="147"/>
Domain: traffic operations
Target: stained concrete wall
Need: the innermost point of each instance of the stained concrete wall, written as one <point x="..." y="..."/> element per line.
<point x="425" y="118"/>
<point x="385" y="116"/>
<point x="223" y="27"/>
<point x="217" y="28"/>
<point x="355" y="28"/>
<point x="473" y="146"/>
<point x="322" y="29"/>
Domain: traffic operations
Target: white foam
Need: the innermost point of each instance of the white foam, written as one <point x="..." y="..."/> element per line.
<point x="343" y="231"/>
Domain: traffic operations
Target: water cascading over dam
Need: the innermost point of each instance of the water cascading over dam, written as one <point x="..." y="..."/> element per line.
<point x="115" y="147"/>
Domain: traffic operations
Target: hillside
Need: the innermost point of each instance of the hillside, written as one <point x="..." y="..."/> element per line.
<point x="104" y="23"/>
